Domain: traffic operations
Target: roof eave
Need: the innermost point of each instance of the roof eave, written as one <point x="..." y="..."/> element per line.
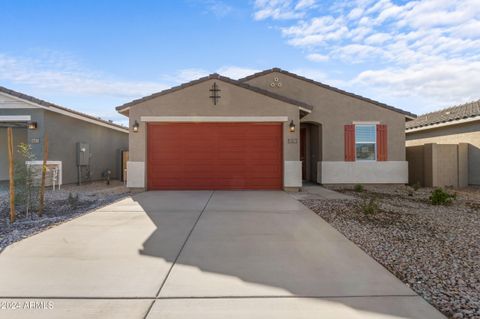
<point x="125" y="107"/>
<point x="442" y="124"/>
<point x="407" y="114"/>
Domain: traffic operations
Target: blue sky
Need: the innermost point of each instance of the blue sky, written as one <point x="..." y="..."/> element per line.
<point x="95" y="55"/>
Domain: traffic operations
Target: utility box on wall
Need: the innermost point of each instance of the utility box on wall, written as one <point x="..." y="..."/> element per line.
<point x="83" y="154"/>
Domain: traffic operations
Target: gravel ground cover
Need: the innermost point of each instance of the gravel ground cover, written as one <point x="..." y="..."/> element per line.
<point x="433" y="249"/>
<point x="58" y="208"/>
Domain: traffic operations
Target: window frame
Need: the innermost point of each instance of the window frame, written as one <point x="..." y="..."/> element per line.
<point x="375" y="147"/>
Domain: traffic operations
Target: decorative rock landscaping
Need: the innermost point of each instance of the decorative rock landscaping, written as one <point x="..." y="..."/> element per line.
<point x="432" y="248"/>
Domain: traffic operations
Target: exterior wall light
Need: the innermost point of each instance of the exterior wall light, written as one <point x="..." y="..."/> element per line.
<point x="32" y="125"/>
<point x="135" y="127"/>
<point x="292" y="126"/>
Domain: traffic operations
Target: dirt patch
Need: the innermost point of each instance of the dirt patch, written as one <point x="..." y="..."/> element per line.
<point x="58" y="208"/>
<point x="433" y="249"/>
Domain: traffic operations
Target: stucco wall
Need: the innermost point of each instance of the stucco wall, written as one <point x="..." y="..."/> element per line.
<point x="19" y="135"/>
<point x="105" y="145"/>
<point x="454" y="134"/>
<point x="194" y="101"/>
<point x="333" y="110"/>
<point x="416" y="165"/>
<point x="438" y="165"/>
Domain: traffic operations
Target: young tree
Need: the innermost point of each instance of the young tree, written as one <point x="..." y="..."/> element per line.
<point x="11" y="174"/>
<point x="24" y="178"/>
<point x="44" y="171"/>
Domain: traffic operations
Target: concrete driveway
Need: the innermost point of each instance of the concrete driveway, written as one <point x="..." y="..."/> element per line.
<point x="200" y="254"/>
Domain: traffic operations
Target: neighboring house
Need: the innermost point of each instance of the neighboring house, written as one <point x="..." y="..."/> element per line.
<point x="444" y="146"/>
<point x="103" y="140"/>
<point x="270" y="130"/>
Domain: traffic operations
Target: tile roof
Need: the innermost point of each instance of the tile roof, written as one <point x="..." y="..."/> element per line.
<point x="221" y="78"/>
<point x="48" y="104"/>
<point x="450" y="114"/>
<point x="328" y="87"/>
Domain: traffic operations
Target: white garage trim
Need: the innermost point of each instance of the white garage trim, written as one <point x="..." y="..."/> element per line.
<point x="214" y="118"/>
<point x="15" y="118"/>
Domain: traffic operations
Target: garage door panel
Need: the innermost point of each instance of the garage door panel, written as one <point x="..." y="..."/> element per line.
<point x="214" y="156"/>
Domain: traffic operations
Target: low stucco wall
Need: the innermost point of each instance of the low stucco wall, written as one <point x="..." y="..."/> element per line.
<point x="468" y="133"/>
<point x="391" y="172"/>
<point x="438" y="165"/>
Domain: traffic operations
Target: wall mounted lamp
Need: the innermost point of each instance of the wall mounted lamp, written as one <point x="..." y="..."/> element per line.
<point x="292" y="126"/>
<point x="32" y="125"/>
<point x="135" y="127"/>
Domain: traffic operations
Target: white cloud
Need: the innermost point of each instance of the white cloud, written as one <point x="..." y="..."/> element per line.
<point x="185" y="75"/>
<point x="449" y="82"/>
<point x="313" y="74"/>
<point x="316" y="57"/>
<point x="304" y="4"/>
<point x="378" y="38"/>
<point x="61" y="73"/>
<point x="282" y="9"/>
<point x="236" y="72"/>
<point x="428" y="49"/>
<point x="218" y="8"/>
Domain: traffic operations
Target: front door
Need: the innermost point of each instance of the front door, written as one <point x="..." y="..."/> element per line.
<point x="303" y="151"/>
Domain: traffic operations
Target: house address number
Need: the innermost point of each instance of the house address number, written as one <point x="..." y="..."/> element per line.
<point x="292" y="141"/>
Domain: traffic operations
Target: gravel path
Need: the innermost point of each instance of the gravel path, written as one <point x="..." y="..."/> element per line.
<point x="58" y="208"/>
<point x="434" y="249"/>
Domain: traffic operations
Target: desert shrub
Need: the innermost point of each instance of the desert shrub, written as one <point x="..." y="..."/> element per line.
<point x="416" y="186"/>
<point x="369" y="206"/>
<point x="441" y="197"/>
<point x="73" y="200"/>
<point x="358" y="188"/>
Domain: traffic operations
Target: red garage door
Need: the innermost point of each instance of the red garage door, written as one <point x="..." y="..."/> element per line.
<point x="214" y="156"/>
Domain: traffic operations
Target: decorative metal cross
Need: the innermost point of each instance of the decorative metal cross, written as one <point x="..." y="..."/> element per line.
<point x="214" y="95"/>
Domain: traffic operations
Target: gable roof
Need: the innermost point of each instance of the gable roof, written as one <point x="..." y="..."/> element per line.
<point x="328" y="87"/>
<point x="447" y="116"/>
<point x="306" y="107"/>
<point x="63" y="110"/>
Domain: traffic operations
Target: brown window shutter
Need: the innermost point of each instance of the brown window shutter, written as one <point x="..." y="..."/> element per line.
<point x="382" y="142"/>
<point x="349" y="142"/>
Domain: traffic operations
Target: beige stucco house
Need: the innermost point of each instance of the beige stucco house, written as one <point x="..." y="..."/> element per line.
<point x="444" y="146"/>
<point x="271" y="130"/>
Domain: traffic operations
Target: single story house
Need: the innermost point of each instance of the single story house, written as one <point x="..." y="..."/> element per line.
<point x="78" y="144"/>
<point x="270" y="130"/>
<point x="443" y="147"/>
